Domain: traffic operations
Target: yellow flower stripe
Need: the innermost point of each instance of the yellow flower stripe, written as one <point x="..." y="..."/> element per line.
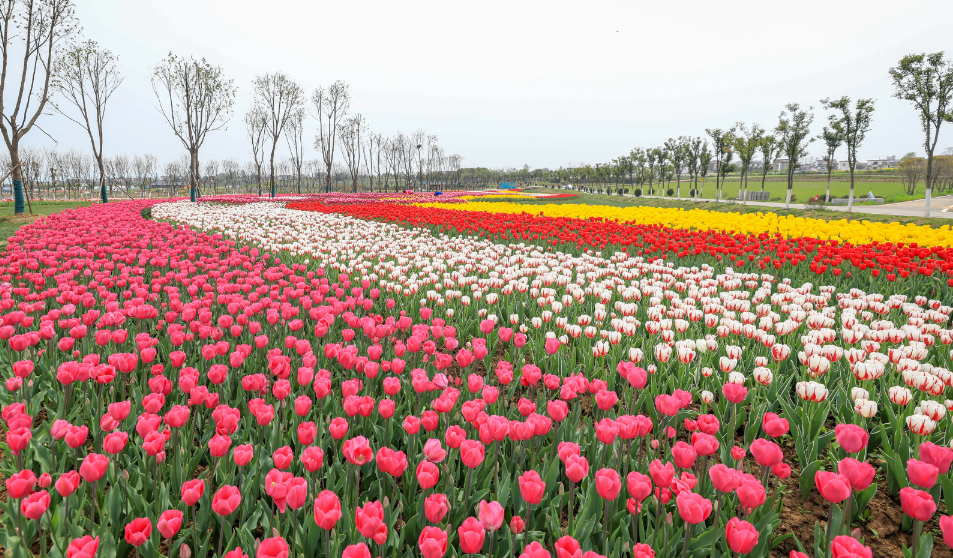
<point x="844" y="230"/>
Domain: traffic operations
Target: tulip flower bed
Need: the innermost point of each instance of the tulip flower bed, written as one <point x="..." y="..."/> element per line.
<point x="923" y="269"/>
<point x="370" y="198"/>
<point x="249" y="379"/>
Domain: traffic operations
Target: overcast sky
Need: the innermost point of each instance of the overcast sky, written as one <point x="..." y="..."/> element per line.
<point x="507" y="83"/>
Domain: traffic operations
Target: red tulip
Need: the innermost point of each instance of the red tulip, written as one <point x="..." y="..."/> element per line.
<point x="138" y="530"/>
<point x="608" y="484"/>
<point x="532" y="487"/>
<point x="491" y="515"/>
<point x="939" y="456"/>
<point x="917" y="503"/>
<point x="93" y="467"/>
<point x="576" y="467"/>
<point x="704" y="444"/>
<point x="312" y="458"/>
<point x="427" y="474"/>
<point x="169" y="523"/>
<point x="535" y="550"/>
<point x="766" y="453"/>
<point x="741" y="535"/>
<point x="833" y="487"/>
<point x="946" y="526"/>
<point x="661" y="474"/>
<point x="297" y="492"/>
<point x="327" y="510"/>
<point x="35" y="505"/>
<point x="359" y="550"/>
<point x="472" y="453"/>
<point x="774" y="425"/>
<point x="639" y="485"/>
<point x="370" y="520"/>
<point x="65" y="485"/>
<point x="192" y="491"/>
<point x="849" y="547"/>
<point x="226" y="500"/>
<point x="922" y="474"/>
<point x="750" y="492"/>
<point x="84" y="547"/>
<point x="643" y="551"/>
<point x="693" y="508"/>
<point x="338" y="427"/>
<point x="684" y="455"/>
<point x="859" y="474"/>
<point x="472" y="534"/>
<point x="275" y="547"/>
<point x="243" y="454"/>
<point x="283" y="457"/>
<point x="568" y="547"/>
<point x="851" y="437"/>
<point x="357" y="451"/>
<point x="432" y="542"/>
<point x="436" y="507"/>
<point x="734" y="393"/>
<point x="20" y="485"/>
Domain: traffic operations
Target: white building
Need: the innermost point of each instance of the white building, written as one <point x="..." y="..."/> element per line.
<point x="883" y="163"/>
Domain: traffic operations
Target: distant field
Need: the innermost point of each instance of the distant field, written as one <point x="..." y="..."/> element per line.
<point x="9" y="224"/>
<point x="892" y="192"/>
<point x="619" y="201"/>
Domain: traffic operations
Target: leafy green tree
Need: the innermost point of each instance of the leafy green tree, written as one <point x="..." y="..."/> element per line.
<point x="721" y="146"/>
<point x="639" y="160"/>
<point x="793" y="133"/>
<point x="852" y="124"/>
<point x="704" y="163"/>
<point x="693" y="148"/>
<point x="746" y="145"/>
<point x="678" y="152"/>
<point x="769" y="152"/>
<point x="926" y="80"/>
<point x="832" y="141"/>
<point x="652" y="156"/>
<point x="661" y="159"/>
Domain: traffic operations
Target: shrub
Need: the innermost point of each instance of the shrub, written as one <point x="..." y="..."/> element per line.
<point x="670" y="192"/>
<point x="638" y="192"/>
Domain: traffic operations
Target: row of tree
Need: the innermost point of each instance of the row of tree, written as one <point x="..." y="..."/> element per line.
<point x="925" y="80"/>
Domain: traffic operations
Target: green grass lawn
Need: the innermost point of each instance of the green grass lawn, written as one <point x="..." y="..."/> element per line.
<point x="10" y="223"/>
<point x="892" y="192"/>
<point x="619" y="201"/>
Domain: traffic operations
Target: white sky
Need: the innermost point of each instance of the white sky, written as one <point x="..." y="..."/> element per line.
<point x="505" y="83"/>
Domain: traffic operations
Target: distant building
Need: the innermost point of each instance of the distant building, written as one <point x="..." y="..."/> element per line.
<point x="886" y="163"/>
<point x="780" y="164"/>
<point x="845" y="165"/>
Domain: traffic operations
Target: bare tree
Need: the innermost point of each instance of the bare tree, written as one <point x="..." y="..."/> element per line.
<point x="34" y="29"/>
<point x="195" y="98"/>
<point x="143" y="168"/>
<point x="255" y="130"/>
<point x="295" y="138"/>
<point x="280" y="98"/>
<point x="211" y="174"/>
<point x="87" y="76"/>
<point x="230" y="168"/>
<point x="118" y="171"/>
<point x="329" y="106"/>
<point x="911" y="171"/>
<point x="351" y="133"/>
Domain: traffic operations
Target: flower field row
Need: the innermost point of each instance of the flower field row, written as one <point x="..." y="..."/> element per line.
<point x="754" y="224"/>
<point x="186" y="386"/>
<point x="408" y="197"/>
<point x="766" y="252"/>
